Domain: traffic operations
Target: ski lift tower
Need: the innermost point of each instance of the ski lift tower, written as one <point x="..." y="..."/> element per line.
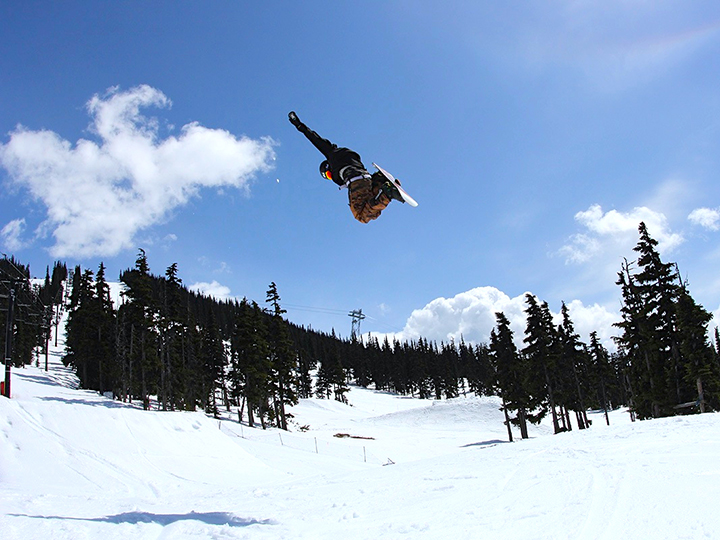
<point x="357" y="316"/>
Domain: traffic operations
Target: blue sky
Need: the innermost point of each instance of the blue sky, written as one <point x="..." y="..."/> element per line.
<point x="535" y="137"/>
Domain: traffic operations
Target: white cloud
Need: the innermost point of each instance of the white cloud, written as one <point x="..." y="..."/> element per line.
<point x="708" y="218"/>
<point x="609" y="235"/>
<point x="11" y="234"/>
<point x="100" y="195"/>
<point x="471" y="316"/>
<point x="214" y="289"/>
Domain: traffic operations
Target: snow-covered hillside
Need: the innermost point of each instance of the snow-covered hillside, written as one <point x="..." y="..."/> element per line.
<point x="77" y="465"/>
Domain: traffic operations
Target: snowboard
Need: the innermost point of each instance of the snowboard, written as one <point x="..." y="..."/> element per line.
<point x="406" y="198"/>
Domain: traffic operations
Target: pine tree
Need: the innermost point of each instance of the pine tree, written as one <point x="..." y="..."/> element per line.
<point x="602" y="370"/>
<point x="250" y="364"/>
<point x="177" y="379"/>
<point x="398" y="367"/>
<point x="80" y="339"/>
<point x="573" y="359"/>
<point x="105" y="321"/>
<point x="699" y="367"/>
<point x="657" y="281"/>
<point x="448" y="363"/>
<point x="541" y="354"/>
<point x="283" y="360"/>
<point x="90" y="333"/>
<point x="435" y="370"/>
<point x="663" y="334"/>
<point x="419" y="373"/>
<point x="141" y="369"/>
<point x="213" y="358"/>
<point x="305" y="366"/>
<point x="509" y="371"/>
<point x="331" y="378"/>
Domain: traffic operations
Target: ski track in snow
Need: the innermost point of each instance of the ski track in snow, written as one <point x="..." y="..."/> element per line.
<point x="76" y="465"/>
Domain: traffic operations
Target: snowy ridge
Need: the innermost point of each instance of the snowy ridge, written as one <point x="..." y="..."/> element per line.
<point x="74" y="464"/>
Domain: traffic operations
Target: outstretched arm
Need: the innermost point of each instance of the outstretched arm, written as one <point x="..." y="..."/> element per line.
<point x="325" y="146"/>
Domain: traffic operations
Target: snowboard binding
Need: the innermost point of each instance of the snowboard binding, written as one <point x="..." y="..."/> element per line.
<point x="389" y="189"/>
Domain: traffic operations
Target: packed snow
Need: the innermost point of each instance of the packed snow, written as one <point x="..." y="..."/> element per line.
<point x="74" y="464"/>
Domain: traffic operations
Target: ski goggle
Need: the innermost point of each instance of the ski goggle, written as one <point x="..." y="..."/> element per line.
<point x="327" y="174"/>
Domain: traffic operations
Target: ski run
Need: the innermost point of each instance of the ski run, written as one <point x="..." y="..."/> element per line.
<point x="77" y="465"/>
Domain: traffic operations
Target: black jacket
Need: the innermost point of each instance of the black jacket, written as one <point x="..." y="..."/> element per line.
<point x="338" y="157"/>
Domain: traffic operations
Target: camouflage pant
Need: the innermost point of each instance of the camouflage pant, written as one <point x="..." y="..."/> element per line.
<point x="367" y="201"/>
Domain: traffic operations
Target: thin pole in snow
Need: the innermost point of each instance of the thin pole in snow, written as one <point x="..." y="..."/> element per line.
<point x="9" y="339"/>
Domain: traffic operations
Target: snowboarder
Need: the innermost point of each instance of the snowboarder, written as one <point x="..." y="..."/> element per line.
<point x="368" y="194"/>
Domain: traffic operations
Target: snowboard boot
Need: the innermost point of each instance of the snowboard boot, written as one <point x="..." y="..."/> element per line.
<point x="389" y="189"/>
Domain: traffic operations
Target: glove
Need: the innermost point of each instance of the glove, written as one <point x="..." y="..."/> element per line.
<point x="294" y="120"/>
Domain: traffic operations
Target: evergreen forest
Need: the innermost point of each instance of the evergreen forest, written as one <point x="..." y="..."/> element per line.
<point x="168" y="347"/>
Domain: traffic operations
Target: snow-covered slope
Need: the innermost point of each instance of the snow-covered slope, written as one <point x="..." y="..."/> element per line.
<point x="77" y="465"/>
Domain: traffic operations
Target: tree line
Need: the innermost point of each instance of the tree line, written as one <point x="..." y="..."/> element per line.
<point x="183" y="350"/>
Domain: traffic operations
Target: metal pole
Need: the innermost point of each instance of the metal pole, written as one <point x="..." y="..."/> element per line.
<point x="8" y="339"/>
<point x="357" y="316"/>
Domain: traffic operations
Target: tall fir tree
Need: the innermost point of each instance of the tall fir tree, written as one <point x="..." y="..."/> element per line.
<point x="213" y="358"/>
<point x="250" y="361"/>
<point x="510" y="372"/>
<point x="663" y="334"/>
<point x="541" y="356"/>
<point x="574" y="360"/>
<point x="105" y="321"/>
<point x="80" y="340"/>
<point x="138" y="314"/>
<point x="283" y="360"/>
<point x="602" y="372"/>
<point x="699" y="366"/>
<point x="331" y="378"/>
<point x="175" y="374"/>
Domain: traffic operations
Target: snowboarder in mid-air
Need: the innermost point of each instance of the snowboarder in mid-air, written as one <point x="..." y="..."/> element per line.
<point x="369" y="194"/>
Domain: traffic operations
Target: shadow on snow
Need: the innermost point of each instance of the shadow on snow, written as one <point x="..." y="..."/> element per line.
<point x="133" y="518"/>
<point x="484" y="443"/>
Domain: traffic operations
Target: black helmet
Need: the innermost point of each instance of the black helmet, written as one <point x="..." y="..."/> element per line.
<point x="325" y="170"/>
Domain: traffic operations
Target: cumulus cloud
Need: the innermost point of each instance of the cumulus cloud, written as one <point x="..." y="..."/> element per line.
<point x="99" y="195"/>
<point x="470" y="316"/>
<point x="11" y="235"/>
<point x="593" y="318"/>
<point x="709" y="218"/>
<point x="614" y="233"/>
<point x="214" y="289"/>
